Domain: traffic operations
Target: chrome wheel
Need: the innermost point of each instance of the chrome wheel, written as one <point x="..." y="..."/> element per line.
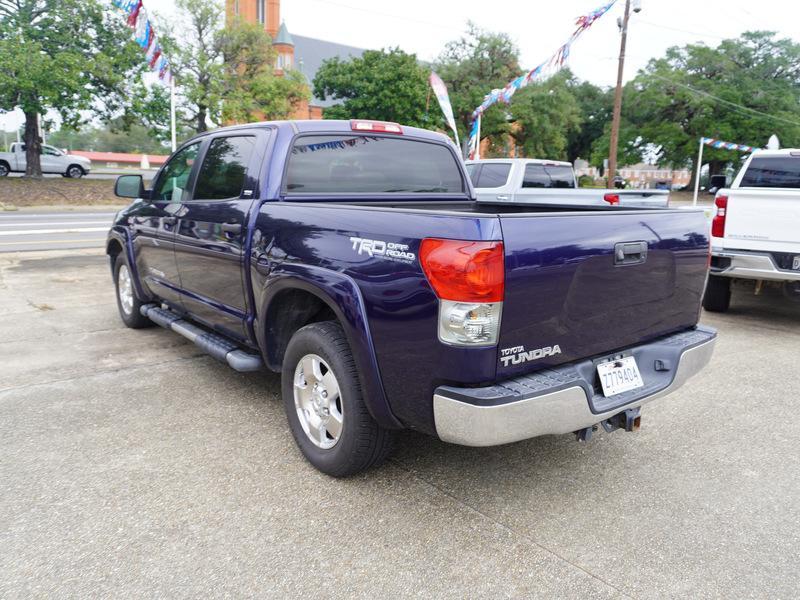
<point x="3" y="169"/>
<point x="318" y="401"/>
<point x="125" y="289"/>
<point x="75" y="172"/>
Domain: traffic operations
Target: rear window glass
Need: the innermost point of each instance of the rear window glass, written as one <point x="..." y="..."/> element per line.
<point x="548" y="176"/>
<point x="336" y="164"/>
<point x="493" y="175"/>
<point x="775" y="172"/>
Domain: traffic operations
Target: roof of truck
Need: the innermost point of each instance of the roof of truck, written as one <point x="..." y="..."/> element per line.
<point x="534" y="161"/>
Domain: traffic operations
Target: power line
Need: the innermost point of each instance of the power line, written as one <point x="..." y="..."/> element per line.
<point x="660" y="26"/>
<point x="739" y="107"/>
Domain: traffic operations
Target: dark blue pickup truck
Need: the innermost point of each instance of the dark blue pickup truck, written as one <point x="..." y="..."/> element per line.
<point x="352" y="258"/>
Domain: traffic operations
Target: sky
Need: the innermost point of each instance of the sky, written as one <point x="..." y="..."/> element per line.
<point x="537" y="27"/>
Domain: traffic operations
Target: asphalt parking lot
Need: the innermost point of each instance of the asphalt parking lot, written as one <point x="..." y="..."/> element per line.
<point x="133" y="465"/>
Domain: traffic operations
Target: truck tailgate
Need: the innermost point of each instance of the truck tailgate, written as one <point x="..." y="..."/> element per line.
<point x="567" y="287"/>
<point x="763" y="220"/>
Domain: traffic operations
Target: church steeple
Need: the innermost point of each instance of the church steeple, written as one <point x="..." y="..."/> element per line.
<point x="284" y="45"/>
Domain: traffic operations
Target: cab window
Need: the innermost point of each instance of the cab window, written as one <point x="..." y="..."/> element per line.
<point x="174" y="179"/>
<point x="224" y="168"/>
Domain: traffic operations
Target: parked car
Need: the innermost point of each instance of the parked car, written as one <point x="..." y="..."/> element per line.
<point x="52" y="159"/>
<point x="535" y="180"/>
<point x="756" y="231"/>
<point x="352" y="258"/>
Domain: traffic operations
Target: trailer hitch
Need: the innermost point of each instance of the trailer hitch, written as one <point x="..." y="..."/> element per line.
<point x="629" y="420"/>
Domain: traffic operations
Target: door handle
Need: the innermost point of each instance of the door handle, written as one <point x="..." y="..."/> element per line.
<point x="502" y="197"/>
<point x="630" y="253"/>
<point x="232" y="228"/>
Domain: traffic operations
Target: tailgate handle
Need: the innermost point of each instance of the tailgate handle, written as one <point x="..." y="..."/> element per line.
<point x="630" y="253"/>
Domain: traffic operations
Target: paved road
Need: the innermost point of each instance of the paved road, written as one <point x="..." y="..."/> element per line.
<point x="26" y="231"/>
<point x="131" y="465"/>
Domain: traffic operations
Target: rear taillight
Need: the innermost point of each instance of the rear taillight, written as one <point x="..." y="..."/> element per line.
<point x="718" y="223"/>
<point x="376" y="126"/>
<point x="469" y="279"/>
<point x="611" y="198"/>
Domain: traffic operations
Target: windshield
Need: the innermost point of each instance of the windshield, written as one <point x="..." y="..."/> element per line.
<point x="358" y="164"/>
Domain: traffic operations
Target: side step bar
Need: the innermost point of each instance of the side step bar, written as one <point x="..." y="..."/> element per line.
<point x="215" y="345"/>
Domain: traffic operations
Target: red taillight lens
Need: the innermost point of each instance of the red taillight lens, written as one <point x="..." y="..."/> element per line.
<point x="464" y="271"/>
<point x="611" y="198"/>
<point x="718" y="224"/>
<point x="376" y="126"/>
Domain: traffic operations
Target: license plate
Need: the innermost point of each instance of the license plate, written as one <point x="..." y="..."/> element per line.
<point x="621" y="375"/>
<point x="796" y="263"/>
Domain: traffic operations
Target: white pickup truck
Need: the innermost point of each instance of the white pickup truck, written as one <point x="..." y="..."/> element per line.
<point x="53" y="161"/>
<point x="535" y="180"/>
<point x="756" y="231"/>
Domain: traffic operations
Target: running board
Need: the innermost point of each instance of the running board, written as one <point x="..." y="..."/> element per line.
<point x="215" y="345"/>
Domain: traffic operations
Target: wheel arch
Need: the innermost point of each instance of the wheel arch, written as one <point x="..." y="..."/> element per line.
<point x="310" y="294"/>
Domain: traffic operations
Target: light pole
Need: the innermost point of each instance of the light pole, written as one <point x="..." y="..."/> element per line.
<point x="612" y="150"/>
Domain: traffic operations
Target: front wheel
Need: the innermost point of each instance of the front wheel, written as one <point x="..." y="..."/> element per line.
<point x="75" y="172"/>
<point x="4" y="169"/>
<point x="323" y="402"/>
<point x="718" y="294"/>
<point x="127" y="302"/>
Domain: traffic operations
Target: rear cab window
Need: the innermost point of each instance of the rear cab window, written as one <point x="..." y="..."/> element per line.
<point x="371" y="164"/>
<point x="772" y="172"/>
<point x="548" y="176"/>
<point x="489" y="175"/>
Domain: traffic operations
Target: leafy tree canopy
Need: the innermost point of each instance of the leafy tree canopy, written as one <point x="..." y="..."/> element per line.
<point x="388" y="85"/>
<point x="69" y="56"/>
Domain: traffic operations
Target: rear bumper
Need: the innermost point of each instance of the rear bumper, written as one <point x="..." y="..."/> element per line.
<point x="564" y="399"/>
<point x="749" y="265"/>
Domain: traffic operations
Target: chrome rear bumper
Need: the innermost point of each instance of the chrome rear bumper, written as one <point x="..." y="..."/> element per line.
<point x="505" y="413"/>
<point x="751" y="265"/>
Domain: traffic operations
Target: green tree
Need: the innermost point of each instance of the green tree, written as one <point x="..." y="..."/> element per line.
<point x="472" y="66"/>
<point x="595" y="105"/>
<point x="387" y="85"/>
<point x="743" y="91"/>
<point x="545" y="115"/>
<point x="68" y="56"/>
<point x="251" y="86"/>
<point x="226" y="74"/>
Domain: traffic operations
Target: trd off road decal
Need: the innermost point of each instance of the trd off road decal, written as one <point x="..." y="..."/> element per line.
<point x="382" y="249"/>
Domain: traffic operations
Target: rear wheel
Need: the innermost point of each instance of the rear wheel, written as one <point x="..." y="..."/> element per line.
<point x="718" y="294"/>
<point x="323" y="402"/>
<point x="127" y="302"/>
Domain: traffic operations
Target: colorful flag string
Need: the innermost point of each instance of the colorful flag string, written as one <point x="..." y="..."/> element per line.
<point x="715" y="143"/>
<point x="538" y="73"/>
<point x="145" y="36"/>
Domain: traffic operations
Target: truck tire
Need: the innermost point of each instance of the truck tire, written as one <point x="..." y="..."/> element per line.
<point x="127" y="302"/>
<point x="75" y="172"/>
<point x="324" y="405"/>
<point x="4" y="169"/>
<point x="718" y="294"/>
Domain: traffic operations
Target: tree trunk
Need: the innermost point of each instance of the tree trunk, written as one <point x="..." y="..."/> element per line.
<point x="201" y="119"/>
<point x="33" y="146"/>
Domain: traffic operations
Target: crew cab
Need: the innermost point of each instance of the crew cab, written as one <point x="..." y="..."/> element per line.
<point x="52" y="160"/>
<point x="536" y="180"/>
<point x="755" y="234"/>
<point x="352" y="258"/>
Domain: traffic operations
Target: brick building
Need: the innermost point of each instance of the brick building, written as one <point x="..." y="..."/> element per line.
<point x="301" y="53"/>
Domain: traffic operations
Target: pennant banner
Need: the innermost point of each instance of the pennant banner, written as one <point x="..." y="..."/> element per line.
<point x="539" y="73"/>
<point x="715" y="143"/>
<point x="440" y="89"/>
<point x="145" y="36"/>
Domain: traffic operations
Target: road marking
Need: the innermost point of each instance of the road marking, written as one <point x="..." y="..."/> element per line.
<point x="78" y="215"/>
<point x="45" y="231"/>
<point x="40" y="223"/>
<point x="45" y="242"/>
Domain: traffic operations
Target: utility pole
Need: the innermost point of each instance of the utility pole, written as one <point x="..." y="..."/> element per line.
<point x="612" y="150"/>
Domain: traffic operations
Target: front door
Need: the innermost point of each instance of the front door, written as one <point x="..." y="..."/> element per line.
<point x="154" y="223"/>
<point x="212" y="231"/>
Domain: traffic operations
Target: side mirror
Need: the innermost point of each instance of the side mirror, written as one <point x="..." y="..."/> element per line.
<point x="129" y="186"/>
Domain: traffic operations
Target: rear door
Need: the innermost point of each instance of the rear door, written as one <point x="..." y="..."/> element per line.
<point x="212" y="232"/>
<point x="491" y="180"/>
<point x="763" y="213"/>
<point x="596" y="281"/>
<point x="153" y="225"/>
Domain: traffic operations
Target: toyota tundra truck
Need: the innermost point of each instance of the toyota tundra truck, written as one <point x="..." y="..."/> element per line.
<point x="352" y="258"/>
<point x="755" y="234"/>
